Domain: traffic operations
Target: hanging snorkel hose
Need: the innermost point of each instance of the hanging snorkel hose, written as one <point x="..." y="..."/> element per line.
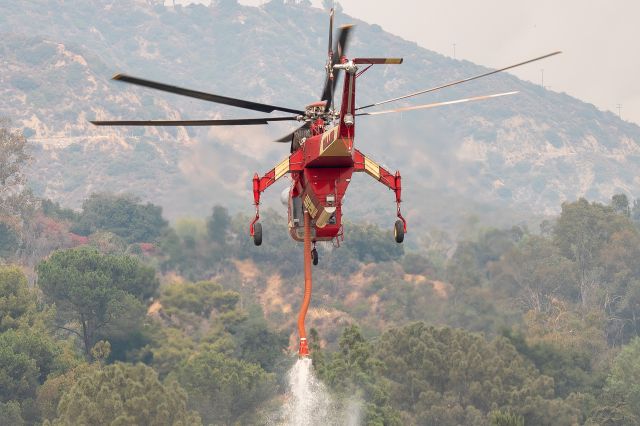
<point x="304" y="346"/>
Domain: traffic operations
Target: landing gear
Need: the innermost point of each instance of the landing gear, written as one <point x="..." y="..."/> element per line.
<point x="257" y="233"/>
<point x="398" y="231"/>
<point x="314" y="256"/>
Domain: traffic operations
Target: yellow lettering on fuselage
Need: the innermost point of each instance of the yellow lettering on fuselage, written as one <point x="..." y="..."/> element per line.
<point x="328" y="138"/>
<point x="311" y="208"/>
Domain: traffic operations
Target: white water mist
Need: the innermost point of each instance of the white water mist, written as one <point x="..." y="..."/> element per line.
<point x="308" y="402"/>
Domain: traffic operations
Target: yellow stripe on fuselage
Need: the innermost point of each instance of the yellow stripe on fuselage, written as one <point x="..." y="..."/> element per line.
<point x="372" y="168"/>
<point x="282" y="168"/>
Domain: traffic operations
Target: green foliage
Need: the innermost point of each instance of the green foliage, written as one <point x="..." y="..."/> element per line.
<point x="18" y="304"/>
<point x="18" y="371"/>
<point x="13" y="160"/>
<point x="223" y="390"/>
<point x="257" y="343"/>
<point x="536" y="273"/>
<point x="446" y="376"/>
<point x="9" y="240"/>
<point x="122" y="215"/>
<point x="624" y="380"/>
<point x="570" y="368"/>
<point x="54" y="210"/>
<point x="49" y="394"/>
<point x="565" y="294"/>
<point x="353" y="371"/>
<point x="171" y="347"/>
<point x="501" y="418"/>
<point x="10" y="414"/>
<point x="28" y="352"/>
<point x="27" y="357"/>
<point x="414" y="263"/>
<point x="200" y="298"/>
<point x="582" y="229"/>
<point x="218" y="225"/>
<point x="96" y="291"/>
<point x="124" y="394"/>
<point x="620" y="204"/>
<point x="371" y="244"/>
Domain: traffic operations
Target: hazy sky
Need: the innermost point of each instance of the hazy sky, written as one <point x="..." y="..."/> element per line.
<point x="601" y="59"/>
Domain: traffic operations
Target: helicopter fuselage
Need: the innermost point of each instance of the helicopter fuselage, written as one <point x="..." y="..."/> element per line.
<point x="321" y="166"/>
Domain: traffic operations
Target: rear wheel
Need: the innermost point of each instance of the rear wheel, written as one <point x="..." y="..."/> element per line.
<point x="257" y="233"/>
<point x="398" y="231"/>
<point x="314" y="256"/>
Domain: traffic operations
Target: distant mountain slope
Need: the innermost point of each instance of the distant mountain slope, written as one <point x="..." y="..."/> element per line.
<point x="525" y="153"/>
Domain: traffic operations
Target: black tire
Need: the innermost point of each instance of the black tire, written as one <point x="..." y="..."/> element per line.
<point x="398" y="231"/>
<point x="314" y="256"/>
<point x="257" y="233"/>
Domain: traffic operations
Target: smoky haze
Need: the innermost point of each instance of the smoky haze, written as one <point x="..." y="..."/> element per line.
<point x="598" y="38"/>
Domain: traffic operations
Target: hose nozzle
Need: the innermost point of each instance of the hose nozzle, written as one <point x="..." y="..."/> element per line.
<point x="304" y="348"/>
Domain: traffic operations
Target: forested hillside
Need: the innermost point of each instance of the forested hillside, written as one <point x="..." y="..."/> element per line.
<point x="110" y="314"/>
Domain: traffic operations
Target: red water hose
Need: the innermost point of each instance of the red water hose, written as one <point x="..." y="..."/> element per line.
<point x="304" y="346"/>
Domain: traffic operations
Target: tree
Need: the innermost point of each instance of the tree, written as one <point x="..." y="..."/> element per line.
<point x="371" y="244"/>
<point x="49" y="394"/>
<point x="18" y="304"/>
<point x="223" y="390"/>
<point x="199" y="298"/>
<point x="446" y="376"/>
<point x="28" y="352"/>
<point x="534" y="273"/>
<point x="620" y="204"/>
<point x="354" y="370"/>
<point x="16" y="202"/>
<point x="10" y="414"/>
<point x="92" y="290"/>
<point x="581" y="231"/>
<point x="571" y="368"/>
<point x="122" y="215"/>
<point x="27" y="357"/>
<point x="624" y="381"/>
<point x="9" y="240"/>
<point x="635" y="212"/>
<point x="124" y="394"/>
<point x="257" y="343"/>
<point x="218" y="225"/>
<point x="501" y="418"/>
<point x="13" y="159"/>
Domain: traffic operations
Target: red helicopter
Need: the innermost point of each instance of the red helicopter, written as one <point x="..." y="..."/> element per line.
<point x="322" y="157"/>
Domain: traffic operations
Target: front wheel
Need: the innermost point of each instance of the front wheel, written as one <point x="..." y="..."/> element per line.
<point x="257" y="233"/>
<point x="314" y="256"/>
<point x="398" y="231"/>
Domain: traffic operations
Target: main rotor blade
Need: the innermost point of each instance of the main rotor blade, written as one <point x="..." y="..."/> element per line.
<point x="204" y="96"/>
<point x="329" y="52"/>
<point x="288" y="137"/>
<point x="437" y="104"/>
<point x="339" y="50"/>
<point x="232" y="122"/>
<point x="453" y="83"/>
